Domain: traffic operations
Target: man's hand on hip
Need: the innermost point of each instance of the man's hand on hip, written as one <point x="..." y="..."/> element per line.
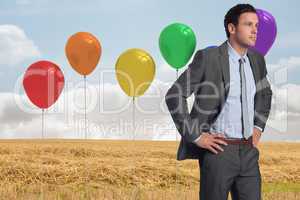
<point x="256" y="136"/>
<point x="211" y="142"/>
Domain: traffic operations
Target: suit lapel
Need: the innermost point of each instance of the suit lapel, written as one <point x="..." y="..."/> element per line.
<point x="224" y="64"/>
<point x="253" y="64"/>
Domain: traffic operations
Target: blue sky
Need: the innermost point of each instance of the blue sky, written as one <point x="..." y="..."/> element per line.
<point x="120" y="25"/>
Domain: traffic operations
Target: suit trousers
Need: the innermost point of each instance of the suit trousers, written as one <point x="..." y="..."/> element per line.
<point x="235" y="170"/>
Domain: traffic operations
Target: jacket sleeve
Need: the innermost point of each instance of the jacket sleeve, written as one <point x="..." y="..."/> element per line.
<point x="263" y="97"/>
<point x="176" y="98"/>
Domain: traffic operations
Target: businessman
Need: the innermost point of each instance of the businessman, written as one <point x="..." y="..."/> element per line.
<point x="230" y="110"/>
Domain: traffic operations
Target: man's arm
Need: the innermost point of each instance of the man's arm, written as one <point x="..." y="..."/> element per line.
<point x="176" y="98"/>
<point x="263" y="98"/>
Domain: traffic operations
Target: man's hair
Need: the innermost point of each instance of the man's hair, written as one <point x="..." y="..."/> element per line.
<point x="232" y="16"/>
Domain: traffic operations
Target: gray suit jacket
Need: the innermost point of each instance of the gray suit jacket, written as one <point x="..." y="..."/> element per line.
<point x="208" y="78"/>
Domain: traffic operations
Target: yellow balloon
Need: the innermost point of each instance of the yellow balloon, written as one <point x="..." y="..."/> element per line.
<point x="135" y="70"/>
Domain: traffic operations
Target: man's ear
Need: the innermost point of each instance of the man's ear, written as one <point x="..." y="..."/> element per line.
<point x="231" y="28"/>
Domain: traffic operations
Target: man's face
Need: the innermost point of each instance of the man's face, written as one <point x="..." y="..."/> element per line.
<point x="246" y="30"/>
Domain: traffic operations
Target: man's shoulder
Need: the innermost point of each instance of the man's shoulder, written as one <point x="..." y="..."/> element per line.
<point x="208" y="52"/>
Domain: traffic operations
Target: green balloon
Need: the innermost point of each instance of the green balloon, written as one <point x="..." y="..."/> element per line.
<point x="177" y="43"/>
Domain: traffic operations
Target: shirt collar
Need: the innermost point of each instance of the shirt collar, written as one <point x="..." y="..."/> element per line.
<point x="234" y="54"/>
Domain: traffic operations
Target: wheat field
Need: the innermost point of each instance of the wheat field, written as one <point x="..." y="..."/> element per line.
<point x="110" y="169"/>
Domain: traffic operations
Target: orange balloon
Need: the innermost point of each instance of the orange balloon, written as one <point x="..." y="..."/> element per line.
<point x="83" y="51"/>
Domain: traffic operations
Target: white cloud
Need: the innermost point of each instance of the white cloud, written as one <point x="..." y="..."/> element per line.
<point x="285" y="71"/>
<point x="165" y="72"/>
<point x="110" y="113"/>
<point x="15" y="46"/>
<point x="293" y="97"/>
<point x="285" y="110"/>
<point x="290" y="62"/>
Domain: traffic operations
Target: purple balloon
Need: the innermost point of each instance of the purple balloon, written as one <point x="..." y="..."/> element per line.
<point x="266" y="32"/>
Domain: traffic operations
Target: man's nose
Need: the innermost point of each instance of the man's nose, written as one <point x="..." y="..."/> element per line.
<point x="254" y="30"/>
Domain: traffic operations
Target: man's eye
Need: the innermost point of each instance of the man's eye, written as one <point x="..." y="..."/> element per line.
<point x="247" y="24"/>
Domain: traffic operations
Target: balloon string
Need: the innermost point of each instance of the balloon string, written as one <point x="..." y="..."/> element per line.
<point x="177" y="167"/>
<point x="133" y="117"/>
<point x="133" y="120"/>
<point x="85" y="124"/>
<point x="176" y="79"/>
<point x="43" y="123"/>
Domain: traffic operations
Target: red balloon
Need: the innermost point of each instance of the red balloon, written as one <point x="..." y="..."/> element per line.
<point x="43" y="83"/>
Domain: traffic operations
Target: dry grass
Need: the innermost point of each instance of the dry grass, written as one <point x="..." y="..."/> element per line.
<point x="105" y="169"/>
